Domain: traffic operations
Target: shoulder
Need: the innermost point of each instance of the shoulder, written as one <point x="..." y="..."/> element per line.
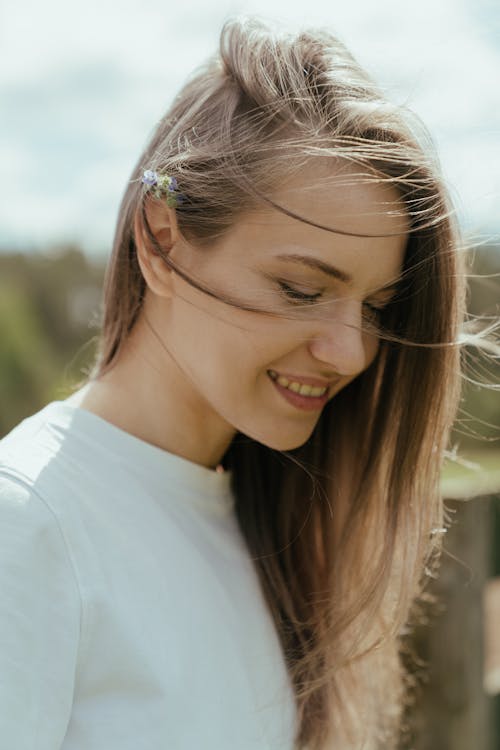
<point x="29" y="530"/>
<point x="35" y="560"/>
<point x="28" y="448"/>
<point x="48" y="453"/>
<point x="19" y="499"/>
<point x="37" y="487"/>
<point x="40" y="619"/>
<point x="37" y="574"/>
<point x="41" y="529"/>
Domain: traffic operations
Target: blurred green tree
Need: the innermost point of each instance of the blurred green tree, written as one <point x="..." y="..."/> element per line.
<point x="49" y="304"/>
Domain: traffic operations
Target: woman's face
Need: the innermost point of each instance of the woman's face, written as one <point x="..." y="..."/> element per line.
<point x="230" y="359"/>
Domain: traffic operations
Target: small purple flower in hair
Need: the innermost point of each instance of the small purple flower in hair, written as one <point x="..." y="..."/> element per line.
<point x="164" y="187"/>
<point x="149" y="177"/>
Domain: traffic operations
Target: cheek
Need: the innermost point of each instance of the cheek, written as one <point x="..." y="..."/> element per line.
<point x="227" y="360"/>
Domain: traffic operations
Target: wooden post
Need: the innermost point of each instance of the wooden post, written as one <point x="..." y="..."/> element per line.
<point x="453" y="711"/>
<point x="491" y="600"/>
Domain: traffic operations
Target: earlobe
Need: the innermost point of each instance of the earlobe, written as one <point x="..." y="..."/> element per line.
<point x="163" y="224"/>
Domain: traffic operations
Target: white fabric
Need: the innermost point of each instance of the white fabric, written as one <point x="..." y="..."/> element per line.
<point x="131" y="617"/>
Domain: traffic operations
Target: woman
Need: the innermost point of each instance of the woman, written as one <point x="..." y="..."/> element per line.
<point x="278" y="371"/>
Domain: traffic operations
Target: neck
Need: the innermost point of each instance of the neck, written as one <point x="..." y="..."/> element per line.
<point x="145" y="394"/>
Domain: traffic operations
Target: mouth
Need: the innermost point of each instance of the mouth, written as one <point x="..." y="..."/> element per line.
<point x="306" y="386"/>
<point x="305" y="396"/>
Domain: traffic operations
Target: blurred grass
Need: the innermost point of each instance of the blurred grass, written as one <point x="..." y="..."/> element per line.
<point x="473" y="474"/>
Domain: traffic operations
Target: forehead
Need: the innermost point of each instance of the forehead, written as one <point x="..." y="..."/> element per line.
<point x="368" y="214"/>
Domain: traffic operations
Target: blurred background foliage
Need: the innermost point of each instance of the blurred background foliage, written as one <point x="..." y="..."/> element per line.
<point x="479" y="419"/>
<point x="49" y="320"/>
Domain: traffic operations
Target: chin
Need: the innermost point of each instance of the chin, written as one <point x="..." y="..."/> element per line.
<point x="285" y="442"/>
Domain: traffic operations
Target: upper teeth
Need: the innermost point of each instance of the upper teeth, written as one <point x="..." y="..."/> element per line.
<point x="296" y="387"/>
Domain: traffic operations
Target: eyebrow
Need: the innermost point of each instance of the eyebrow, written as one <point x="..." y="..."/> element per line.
<point x="327" y="268"/>
<point x="320" y="265"/>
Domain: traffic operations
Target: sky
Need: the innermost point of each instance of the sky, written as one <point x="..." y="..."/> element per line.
<point x="82" y="86"/>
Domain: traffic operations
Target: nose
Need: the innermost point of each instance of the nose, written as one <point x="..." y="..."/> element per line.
<point x="341" y="343"/>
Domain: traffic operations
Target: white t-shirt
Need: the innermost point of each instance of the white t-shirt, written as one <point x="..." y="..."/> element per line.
<point x="131" y="616"/>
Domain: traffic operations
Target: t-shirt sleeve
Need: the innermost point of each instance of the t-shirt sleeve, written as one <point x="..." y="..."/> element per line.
<point x="39" y="622"/>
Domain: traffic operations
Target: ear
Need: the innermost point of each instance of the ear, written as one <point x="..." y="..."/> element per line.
<point x="163" y="223"/>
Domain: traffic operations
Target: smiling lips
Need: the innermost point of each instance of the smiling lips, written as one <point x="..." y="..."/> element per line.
<point x="305" y="386"/>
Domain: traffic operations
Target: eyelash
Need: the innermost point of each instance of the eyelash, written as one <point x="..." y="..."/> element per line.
<point x="377" y="311"/>
<point x="295" y="296"/>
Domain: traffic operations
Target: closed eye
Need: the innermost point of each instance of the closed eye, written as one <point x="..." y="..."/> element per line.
<point x="374" y="309"/>
<point x="296" y="295"/>
<point x="377" y="312"/>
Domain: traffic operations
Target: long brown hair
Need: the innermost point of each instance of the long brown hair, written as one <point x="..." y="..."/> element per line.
<point x="343" y="529"/>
